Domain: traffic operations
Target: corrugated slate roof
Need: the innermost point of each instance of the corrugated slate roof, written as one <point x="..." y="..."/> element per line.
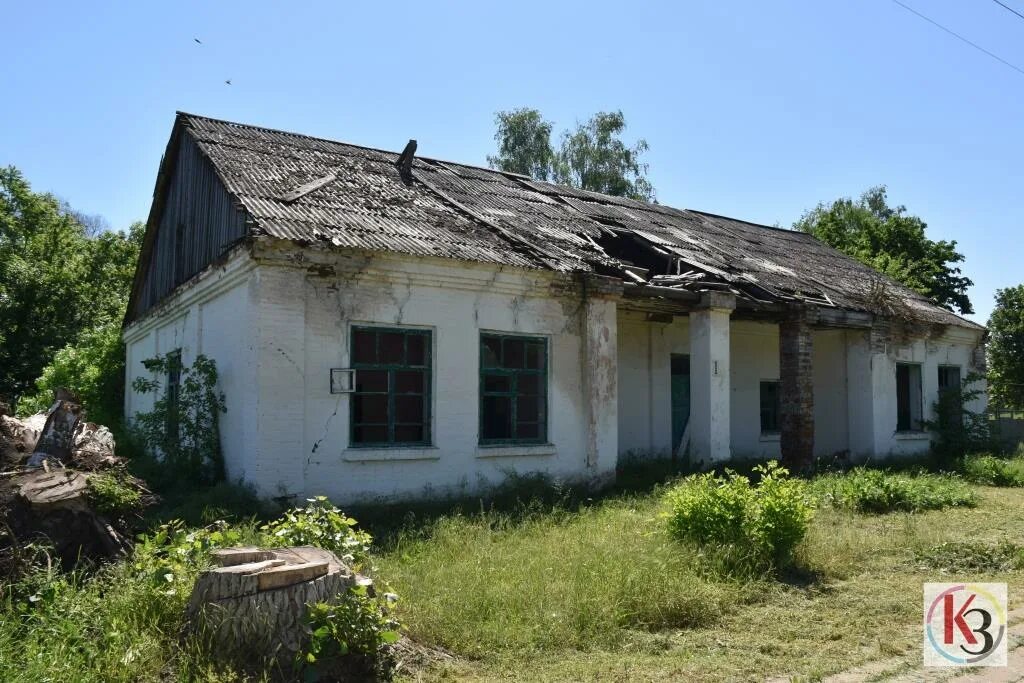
<point x="475" y="214"/>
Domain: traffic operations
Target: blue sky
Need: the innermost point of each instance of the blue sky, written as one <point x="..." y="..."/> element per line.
<point x="757" y="110"/>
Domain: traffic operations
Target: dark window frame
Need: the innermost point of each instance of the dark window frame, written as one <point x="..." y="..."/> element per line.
<point x="778" y="407"/>
<point x="392" y="393"/>
<point x="513" y="393"/>
<point x="956" y="411"/>
<point x="172" y="393"/>
<point x="905" y="424"/>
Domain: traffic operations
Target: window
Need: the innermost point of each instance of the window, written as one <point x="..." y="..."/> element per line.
<point x="951" y="410"/>
<point x="770" y="406"/>
<point x="908" y="398"/>
<point x="391" y="402"/>
<point x="513" y="389"/>
<point x="173" y="383"/>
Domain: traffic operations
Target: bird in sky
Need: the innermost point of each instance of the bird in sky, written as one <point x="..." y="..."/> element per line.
<point x="228" y="81"/>
<point x="198" y="41"/>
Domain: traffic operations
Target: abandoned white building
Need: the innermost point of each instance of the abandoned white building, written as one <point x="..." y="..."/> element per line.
<point x="387" y="325"/>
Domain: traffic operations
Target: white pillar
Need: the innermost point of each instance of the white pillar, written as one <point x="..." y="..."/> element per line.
<point x="599" y="370"/>
<point x="709" y="379"/>
<point x="870" y="395"/>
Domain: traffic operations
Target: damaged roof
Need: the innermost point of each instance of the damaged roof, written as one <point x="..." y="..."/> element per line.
<point x="308" y="189"/>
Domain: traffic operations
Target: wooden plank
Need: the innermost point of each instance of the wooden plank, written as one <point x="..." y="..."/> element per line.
<point x="290" y="574"/>
<point x="227" y="557"/>
<point x="303" y="190"/>
<point x="250" y="567"/>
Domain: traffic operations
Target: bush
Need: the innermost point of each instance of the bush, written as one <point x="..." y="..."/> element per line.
<point x="93" y="369"/>
<point x="767" y="519"/>
<point x="349" y="638"/>
<point x="990" y="470"/>
<point x="879" y="491"/>
<point x="323" y="525"/>
<point x="112" y="494"/>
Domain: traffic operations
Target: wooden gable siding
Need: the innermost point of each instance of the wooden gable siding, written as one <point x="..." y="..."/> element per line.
<point x="198" y="221"/>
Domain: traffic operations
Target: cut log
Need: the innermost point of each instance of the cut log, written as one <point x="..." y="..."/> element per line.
<point x="254" y="604"/>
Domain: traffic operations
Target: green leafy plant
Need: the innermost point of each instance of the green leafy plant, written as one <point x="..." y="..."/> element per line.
<point x="183" y="427"/>
<point x="350" y="634"/>
<point x="113" y="494"/>
<point x="767" y="519"/>
<point x="174" y="553"/>
<point x="879" y="491"/>
<point x="991" y="470"/>
<point x="323" y="525"/>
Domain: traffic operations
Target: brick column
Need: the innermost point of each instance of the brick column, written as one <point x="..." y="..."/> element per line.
<point x="797" y="389"/>
<point x="709" y="380"/>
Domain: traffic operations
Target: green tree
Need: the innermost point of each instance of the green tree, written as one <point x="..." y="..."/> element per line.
<point x="524" y="144"/>
<point x="893" y="242"/>
<point x="60" y="282"/>
<point x="1006" y="348"/>
<point x="591" y="157"/>
<point x="93" y="368"/>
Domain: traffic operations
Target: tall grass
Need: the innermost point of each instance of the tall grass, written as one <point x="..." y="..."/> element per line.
<point x="879" y="491"/>
<point x="991" y="470"/>
<point x="493" y="582"/>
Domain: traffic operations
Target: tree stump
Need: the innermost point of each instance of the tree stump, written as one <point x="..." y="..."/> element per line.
<point x="253" y="604"/>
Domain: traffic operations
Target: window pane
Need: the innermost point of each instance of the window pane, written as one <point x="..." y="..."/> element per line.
<point x="528" y="408"/>
<point x="364" y="434"/>
<point x="408" y="409"/>
<point x="515" y="354"/>
<point x="491" y="351"/>
<point x="371" y="408"/>
<point x="416" y="349"/>
<point x="497" y="383"/>
<point x="371" y="380"/>
<point x="363" y="350"/>
<point x="409" y="434"/>
<point x="392" y="348"/>
<point x="409" y="381"/>
<point x="497" y="417"/>
<point x="527" y="430"/>
<point x="769" y="407"/>
<point x="529" y="384"/>
<point x="535" y="356"/>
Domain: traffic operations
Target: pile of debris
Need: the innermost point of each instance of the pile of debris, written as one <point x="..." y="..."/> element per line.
<point x="46" y="462"/>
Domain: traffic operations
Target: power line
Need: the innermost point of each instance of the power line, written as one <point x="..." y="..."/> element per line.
<point x="1008" y="8"/>
<point x="960" y="37"/>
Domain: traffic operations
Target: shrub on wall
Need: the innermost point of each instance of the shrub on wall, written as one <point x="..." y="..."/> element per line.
<point x="959" y="431"/>
<point x="182" y="429"/>
<point x="767" y="519"/>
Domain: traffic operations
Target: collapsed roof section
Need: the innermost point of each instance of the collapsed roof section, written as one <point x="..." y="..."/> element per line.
<point x="311" y="190"/>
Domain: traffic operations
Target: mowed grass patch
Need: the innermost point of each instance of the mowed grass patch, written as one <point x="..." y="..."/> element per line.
<point x="853" y="597"/>
<point x="495" y="582"/>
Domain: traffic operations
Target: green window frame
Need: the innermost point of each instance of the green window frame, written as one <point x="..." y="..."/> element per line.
<point x="390" y="405"/>
<point x="513" y="389"/>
